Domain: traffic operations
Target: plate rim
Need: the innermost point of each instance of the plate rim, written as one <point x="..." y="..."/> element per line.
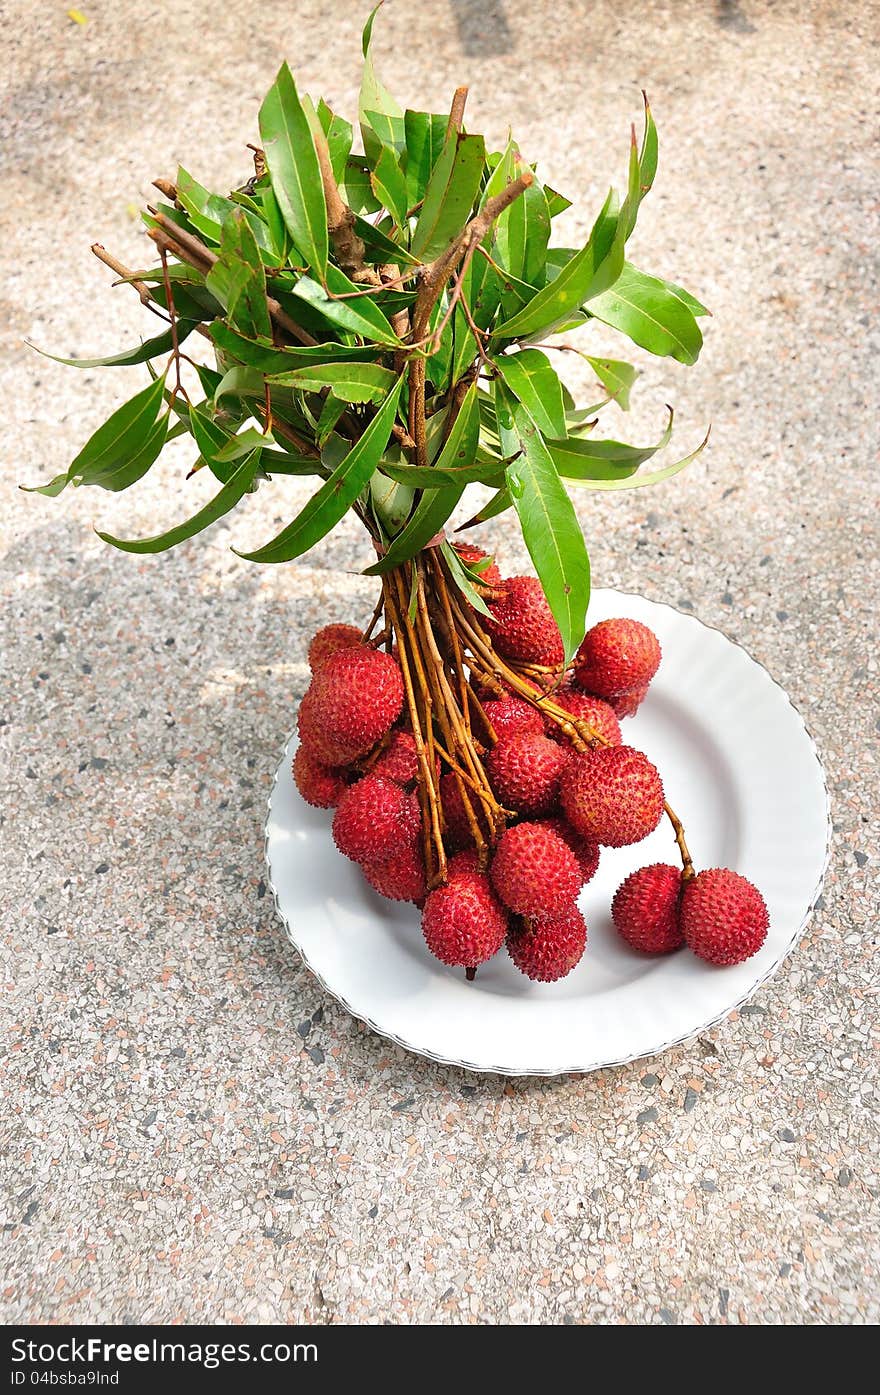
<point x="556" y="1071"/>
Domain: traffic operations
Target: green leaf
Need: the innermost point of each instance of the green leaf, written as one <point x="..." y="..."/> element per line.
<point x="331" y="411"/>
<point x="150" y="348"/>
<point x="615" y="376"/>
<point x="651" y="313"/>
<point x="339" y="136"/>
<point x="389" y="184"/>
<point x="238" y="278"/>
<point x="270" y="358"/>
<point x="352" y="382"/>
<point x="529" y="376"/>
<point x="640" y="481"/>
<point x="337" y="494"/>
<point x="51" y="490"/>
<point x="584" y="459"/>
<point x="373" y="97"/>
<point x="356" y="188"/>
<point x="462" y="579"/>
<point x="648" y="153"/>
<point x="225" y="500"/>
<point x="432" y="511"/>
<point x="589" y="272"/>
<point x="450" y="195"/>
<point x="523" y="231"/>
<point x="383" y="248"/>
<point x="360" y="315"/>
<point x="244" y="443"/>
<point x="425" y="138"/>
<point x="550" y="528"/>
<point x="499" y="503"/>
<point x="122" y="450"/>
<point x="556" y="203"/>
<point x="391" y="503"/>
<point x="286" y="136"/>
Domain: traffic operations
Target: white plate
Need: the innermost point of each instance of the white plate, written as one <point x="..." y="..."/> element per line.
<point x="743" y="773"/>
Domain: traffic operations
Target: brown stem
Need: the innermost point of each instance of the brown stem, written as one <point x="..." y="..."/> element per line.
<point x="456" y="113"/>
<point x="347" y="245"/>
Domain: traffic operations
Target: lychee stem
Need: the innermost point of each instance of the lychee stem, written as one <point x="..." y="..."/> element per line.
<point x="470" y="975"/>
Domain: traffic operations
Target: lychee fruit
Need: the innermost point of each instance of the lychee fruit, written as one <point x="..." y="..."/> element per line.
<point x="612" y="795"/>
<point x="473" y="558"/>
<point x="458" y="829"/>
<point x="724" y="917"/>
<point x="375" y="819"/>
<point x="463" y="922"/>
<point x="400" y="877"/>
<point x="329" y="640"/>
<point x="525" y="771"/>
<point x="357" y="695"/>
<point x="511" y="716"/>
<point x="645" y="909"/>
<point x="315" y="737"/>
<point x="546" y="948"/>
<point x="592" y="710"/>
<point x="628" y="704"/>
<point x="586" y="853"/>
<point x="534" y="871"/>
<point x="617" y="656"/>
<point x="467" y="860"/>
<point x="400" y="760"/>
<point x="319" y="785"/>
<point x="522" y="625"/>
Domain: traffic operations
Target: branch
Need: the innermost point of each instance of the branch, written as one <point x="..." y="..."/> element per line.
<point x="456" y="114"/>
<point x="128" y="276"/>
<point x="347" y="245"/>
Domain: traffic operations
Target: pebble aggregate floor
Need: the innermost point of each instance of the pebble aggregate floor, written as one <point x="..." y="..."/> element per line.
<point x="191" y="1130"/>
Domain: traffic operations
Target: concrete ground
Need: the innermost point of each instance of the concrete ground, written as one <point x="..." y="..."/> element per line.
<point x="192" y="1130"/>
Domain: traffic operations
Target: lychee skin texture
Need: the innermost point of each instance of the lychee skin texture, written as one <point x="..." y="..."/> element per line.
<point x="612" y="795"/>
<point x="472" y="556"/>
<point x="594" y="711"/>
<point x="628" y="704"/>
<point x="724" y="918"/>
<point x="463" y="922"/>
<point x="401" y="877"/>
<point x="512" y="716"/>
<point x="587" y="854"/>
<point x="319" y="785"/>
<point x="315" y="738"/>
<point x="458" y="829"/>
<point x="522" y="625"/>
<point x="330" y="640"/>
<point x="547" y="948"/>
<point x="357" y="694"/>
<point x="374" y="820"/>
<point x="645" y="909"/>
<point x="525" y="771"/>
<point x="617" y="656"/>
<point x="400" y="762"/>
<point x="466" y="860"/>
<point x="534" y="871"/>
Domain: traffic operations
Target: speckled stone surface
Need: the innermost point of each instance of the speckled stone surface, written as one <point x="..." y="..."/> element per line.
<point x="191" y="1130"/>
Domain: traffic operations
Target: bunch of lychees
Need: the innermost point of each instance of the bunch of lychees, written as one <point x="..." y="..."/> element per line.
<point x="563" y="797"/>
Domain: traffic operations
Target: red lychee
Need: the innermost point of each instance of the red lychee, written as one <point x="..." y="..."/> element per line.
<point x="315" y="737"/>
<point x="546" y="948"/>
<point x="375" y="819"/>
<point x="463" y="922"/>
<point x="522" y="625"/>
<point x="612" y="795"/>
<point x="724" y="917"/>
<point x="473" y="556"/>
<point x="511" y="716"/>
<point x="400" y="761"/>
<point x="357" y="695"/>
<point x="628" y="704"/>
<point x="617" y="656"/>
<point x="458" y="829"/>
<point x="524" y="772"/>
<point x="466" y="860"/>
<point x="534" y="871"/>
<point x="330" y="640"/>
<point x="400" y="877"/>
<point x="318" y="784"/>
<point x="645" y="909"/>
<point x="586" y="853"/>
<point x="592" y="710"/>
